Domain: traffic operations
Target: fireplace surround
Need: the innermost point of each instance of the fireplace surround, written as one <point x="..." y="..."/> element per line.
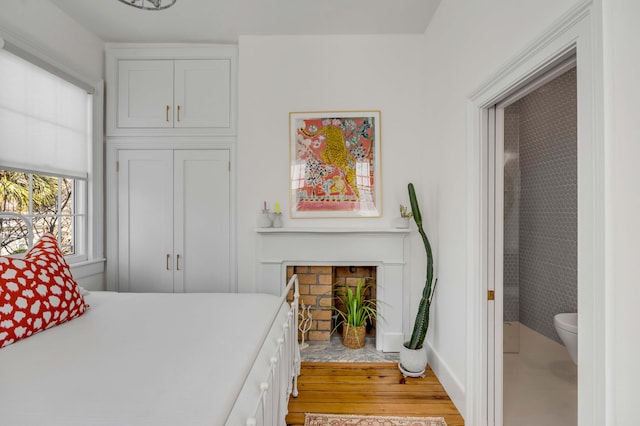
<point x="386" y="249"/>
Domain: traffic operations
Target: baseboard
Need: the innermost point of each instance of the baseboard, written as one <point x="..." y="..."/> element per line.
<point x="449" y="381"/>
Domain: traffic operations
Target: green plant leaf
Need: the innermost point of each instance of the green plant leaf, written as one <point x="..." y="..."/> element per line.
<point x="357" y="308"/>
<point x="421" y="323"/>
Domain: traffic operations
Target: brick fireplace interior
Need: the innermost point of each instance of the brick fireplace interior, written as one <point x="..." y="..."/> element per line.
<point x="318" y="286"/>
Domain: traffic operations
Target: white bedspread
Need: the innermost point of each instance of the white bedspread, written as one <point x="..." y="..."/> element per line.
<point x="136" y="359"/>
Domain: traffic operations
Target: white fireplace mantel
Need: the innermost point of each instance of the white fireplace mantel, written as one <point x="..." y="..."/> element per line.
<point x="387" y="249"/>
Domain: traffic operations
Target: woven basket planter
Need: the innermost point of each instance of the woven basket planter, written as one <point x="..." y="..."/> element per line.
<point x="353" y="337"/>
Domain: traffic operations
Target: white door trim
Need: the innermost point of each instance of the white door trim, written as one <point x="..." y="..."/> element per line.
<point x="495" y="234"/>
<point x="495" y="262"/>
<point x="578" y="31"/>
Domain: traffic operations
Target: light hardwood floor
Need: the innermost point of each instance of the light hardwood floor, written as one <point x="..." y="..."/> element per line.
<point x="368" y="389"/>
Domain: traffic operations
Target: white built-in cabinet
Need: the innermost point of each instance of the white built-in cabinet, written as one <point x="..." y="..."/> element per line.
<point x="189" y="93"/>
<point x="173" y="216"/>
<point x="170" y="142"/>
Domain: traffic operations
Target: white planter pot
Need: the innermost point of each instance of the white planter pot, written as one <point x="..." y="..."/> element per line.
<point x="402" y="222"/>
<point x="413" y="360"/>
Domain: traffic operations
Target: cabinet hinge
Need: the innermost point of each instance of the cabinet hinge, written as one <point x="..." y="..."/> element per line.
<point x="229" y="165"/>
<point x="491" y="295"/>
<point x="117" y="166"/>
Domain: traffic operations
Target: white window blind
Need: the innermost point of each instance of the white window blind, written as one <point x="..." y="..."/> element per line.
<point x="44" y="120"/>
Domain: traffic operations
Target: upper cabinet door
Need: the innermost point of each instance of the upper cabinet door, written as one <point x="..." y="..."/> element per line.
<point x="156" y="90"/>
<point x="202" y="93"/>
<point x="145" y="94"/>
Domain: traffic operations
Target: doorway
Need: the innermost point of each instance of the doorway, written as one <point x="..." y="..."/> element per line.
<point x="535" y="248"/>
<point x="570" y="36"/>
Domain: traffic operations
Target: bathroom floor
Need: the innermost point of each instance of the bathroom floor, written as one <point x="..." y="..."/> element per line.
<point x="540" y="383"/>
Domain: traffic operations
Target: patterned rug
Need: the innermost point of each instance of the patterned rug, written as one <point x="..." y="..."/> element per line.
<point x="346" y="420"/>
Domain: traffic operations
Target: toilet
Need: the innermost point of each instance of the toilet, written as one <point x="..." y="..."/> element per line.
<point x="567" y="328"/>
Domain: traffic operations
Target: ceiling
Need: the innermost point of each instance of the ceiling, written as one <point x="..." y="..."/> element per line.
<point x="222" y="21"/>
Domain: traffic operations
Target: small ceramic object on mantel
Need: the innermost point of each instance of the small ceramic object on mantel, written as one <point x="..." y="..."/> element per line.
<point x="405" y="216"/>
<point x="264" y="219"/>
<point x="277" y="220"/>
<point x="401" y="222"/>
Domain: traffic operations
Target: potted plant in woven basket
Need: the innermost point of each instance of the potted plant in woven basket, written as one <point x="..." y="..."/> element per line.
<point x="413" y="354"/>
<point x="353" y="311"/>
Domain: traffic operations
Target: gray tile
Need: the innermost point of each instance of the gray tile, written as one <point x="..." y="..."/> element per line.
<point x="335" y="351"/>
<point x="540" y="260"/>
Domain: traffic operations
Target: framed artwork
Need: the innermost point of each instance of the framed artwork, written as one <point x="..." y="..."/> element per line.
<point x="335" y="164"/>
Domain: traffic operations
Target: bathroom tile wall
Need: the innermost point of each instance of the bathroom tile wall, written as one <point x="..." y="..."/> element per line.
<point x="511" y="213"/>
<point x="547" y="263"/>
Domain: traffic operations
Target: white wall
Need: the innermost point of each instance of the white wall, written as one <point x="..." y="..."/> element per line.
<point x="468" y="41"/>
<point x="422" y="87"/>
<point x="622" y="139"/>
<point x="480" y="38"/>
<point x="48" y="29"/>
<point x="279" y="75"/>
<point x="465" y="44"/>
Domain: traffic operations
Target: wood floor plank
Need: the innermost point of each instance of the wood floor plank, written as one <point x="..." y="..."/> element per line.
<point x="369" y="389"/>
<point x="382" y="392"/>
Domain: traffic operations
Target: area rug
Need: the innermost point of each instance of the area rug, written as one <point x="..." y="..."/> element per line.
<point x="347" y="420"/>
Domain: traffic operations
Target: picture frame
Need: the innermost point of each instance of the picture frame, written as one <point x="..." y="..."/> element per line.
<point x="335" y="164"/>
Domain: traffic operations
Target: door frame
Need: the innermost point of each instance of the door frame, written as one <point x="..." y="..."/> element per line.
<point x="577" y="31"/>
<point x="495" y="228"/>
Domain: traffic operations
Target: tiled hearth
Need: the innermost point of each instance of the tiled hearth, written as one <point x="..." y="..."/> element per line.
<point x="334" y="351"/>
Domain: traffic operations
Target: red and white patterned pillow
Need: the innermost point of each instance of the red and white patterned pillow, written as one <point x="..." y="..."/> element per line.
<point x="36" y="292"/>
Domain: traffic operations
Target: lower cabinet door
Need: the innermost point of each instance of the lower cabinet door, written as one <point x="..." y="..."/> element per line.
<point x="174" y="221"/>
<point x="202" y="221"/>
<point x="145" y="221"/>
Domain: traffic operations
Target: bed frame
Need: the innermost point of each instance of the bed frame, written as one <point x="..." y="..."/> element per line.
<point x="282" y="378"/>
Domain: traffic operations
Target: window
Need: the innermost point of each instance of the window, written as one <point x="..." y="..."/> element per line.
<point x="45" y="140"/>
<point x="49" y="204"/>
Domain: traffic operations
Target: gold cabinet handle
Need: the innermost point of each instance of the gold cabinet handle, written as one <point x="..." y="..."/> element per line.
<point x="167" y="113"/>
<point x="177" y="262"/>
<point x="178" y="113"/>
<point x="168" y="259"/>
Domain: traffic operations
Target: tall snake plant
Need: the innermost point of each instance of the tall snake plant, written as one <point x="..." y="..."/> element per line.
<point x="422" y="318"/>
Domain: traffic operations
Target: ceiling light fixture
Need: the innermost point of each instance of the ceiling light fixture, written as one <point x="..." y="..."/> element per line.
<point x="149" y="4"/>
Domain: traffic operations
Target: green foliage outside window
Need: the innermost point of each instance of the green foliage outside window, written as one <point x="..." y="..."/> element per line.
<point x="46" y="200"/>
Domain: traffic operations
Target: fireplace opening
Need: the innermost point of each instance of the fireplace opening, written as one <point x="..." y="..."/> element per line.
<point x="318" y="287"/>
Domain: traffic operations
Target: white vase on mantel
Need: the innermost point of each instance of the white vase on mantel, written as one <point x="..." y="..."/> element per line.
<point x="277" y="220"/>
<point x="264" y="219"/>
<point x="413" y="361"/>
<point x="401" y="222"/>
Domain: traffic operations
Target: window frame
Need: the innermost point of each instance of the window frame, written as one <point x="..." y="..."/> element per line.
<point x="91" y="243"/>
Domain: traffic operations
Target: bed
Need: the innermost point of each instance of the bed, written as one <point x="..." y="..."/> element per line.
<point x="157" y="359"/>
